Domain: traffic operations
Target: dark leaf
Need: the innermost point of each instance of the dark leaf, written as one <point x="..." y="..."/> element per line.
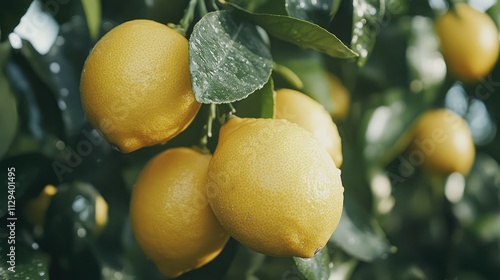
<point x="309" y="67"/>
<point x="261" y="6"/>
<point x="229" y="59"/>
<point x="315" y="11"/>
<point x="39" y="116"/>
<point x="32" y="173"/>
<point x="28" y="264"/>
<point x="367" y="21"/>
<point x="8" y="106"/>
<point x="74" y="218"/>
<point x="359" y="235"/>
<point x="10" y="15"/>
<point x="387" y="128"/>
<point x="60" y="71"/>
<point x="300" y="32"/>
<point x="259" y="104"/>
<point x="315" y="268"/>
<point x="245" y="264"/>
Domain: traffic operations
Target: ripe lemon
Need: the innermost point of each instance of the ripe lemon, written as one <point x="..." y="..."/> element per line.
<point x="274" y="188"/>
<point x="340" y="98"/>
<point x="36" y="208"/>
<point x="444" y="142"/>
<point x="169" y="213"/>
<point x="469" y="42"/>
<point x="136" y="87"/>
<point x="299" y="108"/>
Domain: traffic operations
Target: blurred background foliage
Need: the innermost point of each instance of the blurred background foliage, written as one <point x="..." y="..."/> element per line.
<point x="398" y="223"/>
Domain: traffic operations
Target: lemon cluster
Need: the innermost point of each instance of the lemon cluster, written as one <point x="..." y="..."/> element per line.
<point x="272" y="184"/>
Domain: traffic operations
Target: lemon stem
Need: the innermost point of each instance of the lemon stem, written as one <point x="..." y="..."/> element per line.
<point x="202" y="7"/>
<point x="186" y="20"/>
<point x="227" y="111"/>
<point x="207" y="129"/>
<point x="451" y="5"/>
<point x="214" y="5"/>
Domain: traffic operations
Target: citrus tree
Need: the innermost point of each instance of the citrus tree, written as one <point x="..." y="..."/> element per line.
<point x="285" y="139"/>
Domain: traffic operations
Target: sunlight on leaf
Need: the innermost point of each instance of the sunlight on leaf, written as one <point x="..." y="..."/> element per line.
<point x="367" y="21"/>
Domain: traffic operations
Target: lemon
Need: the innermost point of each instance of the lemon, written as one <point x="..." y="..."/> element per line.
<point x="443" y="141"/>
<point x="169" y="213"/>
<point x="136" y="87"/>
<point x="299" y="108"/>
<point x="340" y="98"/>
<point x="274" y="188"/>
<point x="469" y="42"/>
<point x="36" y="208"/>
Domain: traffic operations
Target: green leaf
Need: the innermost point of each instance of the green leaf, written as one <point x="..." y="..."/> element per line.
<point x="315" y="11"/>
<point x="299" y="32"/>
<point x="423" y="50"/>
<point x="10" y="15"/>
<point x="494" y="13"/>
<point x="228" y="58"/>
<point x="317" y="267"/>
<point x="71" y="221"/>
<point x="487" y="227"/>
<point x="259" y="6"/>
<point x="309" y="67"/>
<point x="8" y="108"/>
<point x="335" y="8"/>
<point x="288" y="76"/>
<point x="387" y="128"/>
<point x="32" y="173"/>
<point x="92" y="9"/>
<point x="359" y="235"/>
<point x="367" y="21"/>
<point x="245" y="264"/>
<point x="258" y="105"/>
<point x="29" y="263"/>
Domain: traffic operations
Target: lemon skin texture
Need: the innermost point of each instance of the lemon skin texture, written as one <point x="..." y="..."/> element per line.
<point x="170" y="216"/>
<point x="274" y="188"/>
<point x="136" y="87"/>
<point x="301" y="109"/>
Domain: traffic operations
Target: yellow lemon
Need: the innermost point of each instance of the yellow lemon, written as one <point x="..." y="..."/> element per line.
<point x="136" y="87"/>
<point x="444" y="142"/>
<point x="170" y="216"/>
<point x="36" y="209"/>
<point x="469" y="42"/>
<point x="299" y="108"/>
<point x="274" y="188"/>
<point x="340" y="98"/>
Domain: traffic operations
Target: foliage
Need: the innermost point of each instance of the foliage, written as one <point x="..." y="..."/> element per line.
<point x="398" y="222"/>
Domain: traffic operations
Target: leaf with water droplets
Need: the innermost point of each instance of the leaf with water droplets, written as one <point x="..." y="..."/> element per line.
<point x="317" y="267"/>
<point x="315" y="11"/>
<point x="299" y="32"/>
<point x="367" y="21"/>
<point x="228" y="58"/>
<point x="29" y="263"/>
<point x="359" y="235"/>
